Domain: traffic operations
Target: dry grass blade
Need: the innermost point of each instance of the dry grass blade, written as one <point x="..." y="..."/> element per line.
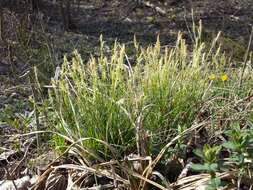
<point x="96" y="171"/>
<point x="194" y="181"/>
<point x="164" y="180"/>
<point x="56" y="181"/>
<point x="76" y="143"/>
<point x="103" y="187"/>
<point x="134" y="174"/>
<point x="41" y="181"/>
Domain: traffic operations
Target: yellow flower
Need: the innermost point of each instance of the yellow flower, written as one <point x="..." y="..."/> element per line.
<point x="224" y="77"/>
<point x="212" y="77"/>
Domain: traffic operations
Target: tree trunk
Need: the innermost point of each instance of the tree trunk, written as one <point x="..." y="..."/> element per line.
<point x="35" y="4"/>
<point x="65" y="11"/>
<point x="1" y="23"/>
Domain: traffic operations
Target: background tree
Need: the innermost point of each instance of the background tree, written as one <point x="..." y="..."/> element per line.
<point x="66" y="14"/>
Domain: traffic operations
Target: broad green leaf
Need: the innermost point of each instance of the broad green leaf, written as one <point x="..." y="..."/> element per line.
<point x="213" y="167"/>
<point x="230" y="145"/>
<point x="214" y="183"/>
<point x="199" y="153"/>
<point x="200" y="167"/>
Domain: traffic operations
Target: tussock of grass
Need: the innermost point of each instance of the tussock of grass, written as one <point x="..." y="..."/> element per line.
<point x="160" y="92"/>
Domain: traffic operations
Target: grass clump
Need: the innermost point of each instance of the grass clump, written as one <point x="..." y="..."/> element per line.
<point x="146" y="110"/>
<point x="148" y="99"/>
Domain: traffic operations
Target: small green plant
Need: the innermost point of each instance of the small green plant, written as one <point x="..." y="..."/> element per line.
<point x="240" y="146"/>
<point x="209" y="155"/>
